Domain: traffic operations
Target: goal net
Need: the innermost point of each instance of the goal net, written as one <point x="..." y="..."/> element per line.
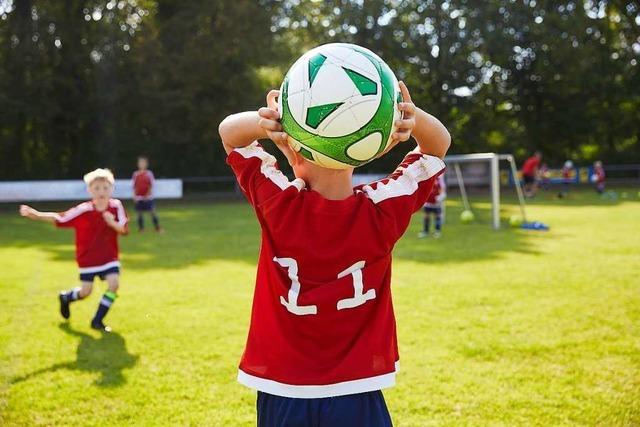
<point x="483" y="169"/>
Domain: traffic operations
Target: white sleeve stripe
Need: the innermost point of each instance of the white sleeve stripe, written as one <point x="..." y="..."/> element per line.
<point x="122" y="216"/>
<point x="73" y="213"/>
<point x="267" y="168"/>
<point x="407" y="183"/>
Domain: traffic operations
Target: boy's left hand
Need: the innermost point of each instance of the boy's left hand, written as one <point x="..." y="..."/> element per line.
<point x="109" y="218"/>
<point x="405" y="125"/>
<point x="407" y="122"/>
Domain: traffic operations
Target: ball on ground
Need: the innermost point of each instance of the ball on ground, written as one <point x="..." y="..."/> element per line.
<point x="467" y="216"/>
<point x="515" y="220"/>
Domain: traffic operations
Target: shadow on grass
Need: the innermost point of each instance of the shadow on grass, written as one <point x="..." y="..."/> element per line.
<point x="106" y="355"/>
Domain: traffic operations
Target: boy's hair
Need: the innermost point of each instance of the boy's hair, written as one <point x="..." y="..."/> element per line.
<point x="143" y="157"/>
<point x="98" y="174"/>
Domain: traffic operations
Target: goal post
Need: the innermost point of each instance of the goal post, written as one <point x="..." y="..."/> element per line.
<point x="493" y="162"/>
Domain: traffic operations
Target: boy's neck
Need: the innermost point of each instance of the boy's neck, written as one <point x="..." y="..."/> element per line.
<point x="100" y="204"/>
<point x="331" y="184"/>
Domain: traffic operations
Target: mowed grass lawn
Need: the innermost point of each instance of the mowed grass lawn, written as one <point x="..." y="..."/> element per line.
<point x="496" y="328"/>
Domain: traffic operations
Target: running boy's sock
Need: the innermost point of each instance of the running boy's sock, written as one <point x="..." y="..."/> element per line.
<point x="140" y="222"/>
<point x="72" y="294"/>
<point x="426" y="224"/>
<point x="67" y="298"/>
<point x="105" y="303"/>
<point x="156" y="221"/>
<point x="438" y="222"/>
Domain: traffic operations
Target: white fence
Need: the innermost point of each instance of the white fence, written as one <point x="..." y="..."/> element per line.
<point x="23" y="191"/>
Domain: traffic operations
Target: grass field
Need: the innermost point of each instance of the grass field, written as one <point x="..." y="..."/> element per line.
<point x="495" y="328"/>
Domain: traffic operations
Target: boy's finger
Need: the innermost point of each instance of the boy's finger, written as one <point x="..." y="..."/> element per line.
<point x="406" y="96"/>
<point x="272" y="97"/>
<point x="407" y="107"/>
<point x="279" y="137"/>
<point x="268" y="113"/>
<point x="402" y="136"/>
<point x="271" y="125"/>
<point x="405" y="124"/>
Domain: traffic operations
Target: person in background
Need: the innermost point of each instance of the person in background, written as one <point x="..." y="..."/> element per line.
<point x="567" y="170"/>
<point x="545" y="176"/>
<point x="530" y="173"/>
<point x="433" y="206"/>
<point x="142" y="182"/>
<point x="598" y="177"/>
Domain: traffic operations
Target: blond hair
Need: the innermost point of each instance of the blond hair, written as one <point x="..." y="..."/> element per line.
<point x="98" y="174"/>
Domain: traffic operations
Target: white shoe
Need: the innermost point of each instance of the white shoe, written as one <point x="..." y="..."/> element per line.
<point x="437" y="234"/>
<point x="422" y="234"/>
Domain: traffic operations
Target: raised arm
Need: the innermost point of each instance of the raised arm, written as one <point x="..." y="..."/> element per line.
<point x="29" y="212"/>
<point x="431" y="135"/>
<point x="240" y="129"/>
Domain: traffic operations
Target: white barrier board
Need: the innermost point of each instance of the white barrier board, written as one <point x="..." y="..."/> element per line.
<point x="23" y="191"/>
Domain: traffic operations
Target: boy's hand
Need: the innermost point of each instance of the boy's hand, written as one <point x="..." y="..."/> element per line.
<point x="407" y="122"/>
<point x="270" y="123"/>
<point x="109" y="218"/>
<point x="270" y="118"/>
<point x="27" y="211"/>
<point x="405" y="125"/>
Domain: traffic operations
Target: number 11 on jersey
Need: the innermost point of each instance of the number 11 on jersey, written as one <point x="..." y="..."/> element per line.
<point x="291" y="303"/>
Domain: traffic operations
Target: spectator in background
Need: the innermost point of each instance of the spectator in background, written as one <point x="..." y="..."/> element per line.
<point x="142" y="181"/>
<point x="567" y="171"/>
<point x="530" y="174"/>
<point x="545" y="176"/>
<point x="598" y="177"/>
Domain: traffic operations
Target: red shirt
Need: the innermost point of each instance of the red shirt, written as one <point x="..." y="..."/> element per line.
<point x="600" y="175"/>
<point x="142" y="182"/>
<point x="322" y="322"/>
<point x="438" y="193"/>
<point x="96" y="242"/>
<point x="530" y="166"/>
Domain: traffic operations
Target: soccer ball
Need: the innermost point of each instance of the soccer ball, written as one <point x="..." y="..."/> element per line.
<point x="338" y="104"/>
<point x="515" y="220"/>
<point x="467" y="217"/>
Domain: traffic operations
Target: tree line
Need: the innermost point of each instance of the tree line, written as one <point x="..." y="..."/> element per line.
<point x="87" y="83"/>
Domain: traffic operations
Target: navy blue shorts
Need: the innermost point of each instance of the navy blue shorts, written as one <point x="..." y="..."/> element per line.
<point x="353" y="410"/>
<point x="88" y="277"/>
<point x="144" y="205"/>
<point x="432" y="209"/>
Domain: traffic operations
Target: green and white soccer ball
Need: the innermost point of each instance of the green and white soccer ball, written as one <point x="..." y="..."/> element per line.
<point x="338" y="104"/>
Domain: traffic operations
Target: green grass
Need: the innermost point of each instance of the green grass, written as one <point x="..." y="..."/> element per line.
<point x="495" y="328"/>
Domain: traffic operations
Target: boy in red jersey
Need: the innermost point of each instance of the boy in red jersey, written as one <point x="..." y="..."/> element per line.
<point x="598" y="177"/>
<point x="530" y="174"/>
<point x="142" y="182"/>
<point x="322" y="340"/>
<point x="97" y="224"/>
<point x="433" y="206"/>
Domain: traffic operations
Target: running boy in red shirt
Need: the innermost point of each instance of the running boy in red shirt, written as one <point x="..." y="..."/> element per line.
<point x="142" y="182"/>
<point x="97" y="224"/>
<point x="322" y="341"/>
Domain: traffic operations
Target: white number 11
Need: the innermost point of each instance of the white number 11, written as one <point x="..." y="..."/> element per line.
<point x="291" y="303"/>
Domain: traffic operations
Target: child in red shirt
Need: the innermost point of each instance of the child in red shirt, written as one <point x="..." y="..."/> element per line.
<point x="142" y="182"/>
<point x="322" y="340"/>
<point x="97" y="224"/>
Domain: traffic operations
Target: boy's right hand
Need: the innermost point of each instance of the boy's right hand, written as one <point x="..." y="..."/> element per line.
<point x="270" y="123"/>
<point x="27" y="211"/>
